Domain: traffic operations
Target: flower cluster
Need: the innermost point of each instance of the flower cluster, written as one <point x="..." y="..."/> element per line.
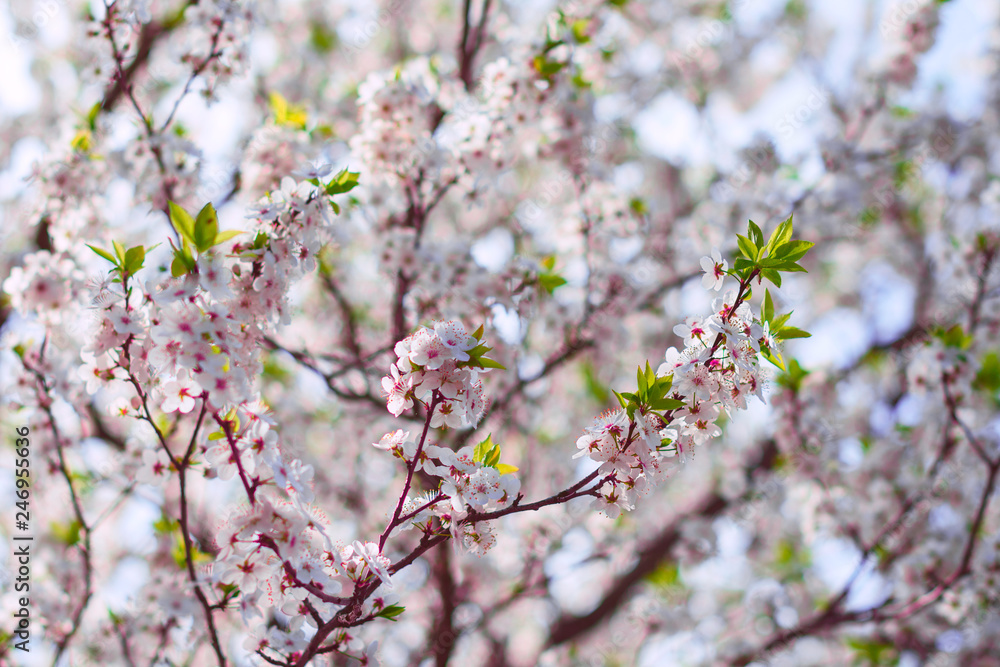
<point x="471" y="481"/>
<point x="45" y="284"/>
<point x="395" y="135"/>
<point x="677" y="407"/>
<point x="443" y="359"/>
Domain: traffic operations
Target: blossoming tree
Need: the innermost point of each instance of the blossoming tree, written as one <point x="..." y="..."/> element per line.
<point x="307" y="307"/>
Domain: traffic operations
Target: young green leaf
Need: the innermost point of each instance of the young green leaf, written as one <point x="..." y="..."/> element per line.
<point x="788" y="333"/>
<point x="792" y="251"/>
<point x="755" y="234"/>
<point x="747" y="247"/>
<point x="484" y="362"/>
<point x="782" y="234"/>
<point x="665" y="404"/>
<point x="224" y="236"/>
<point x="550" y="281"/>
<point x="621" y="399"/>
<point x="391" y="612"/>
<point x="182" y="221"/>
<point x="206" y="228"/>
<point x="134" y="258"/>
<point x="104" y="253"/>
<point x="767" y="308"/>
<point x="480" y="451"/>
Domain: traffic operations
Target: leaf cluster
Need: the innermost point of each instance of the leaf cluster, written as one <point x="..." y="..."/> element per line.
<point x="476" y="358"/>
<point x="780" y="253"/>
<point x="202" y="233"/>
<point x="487" y="453"/>
<point x="651" y="394"/>
<point x="778" y="329"/>
<point x="127" y="261"/>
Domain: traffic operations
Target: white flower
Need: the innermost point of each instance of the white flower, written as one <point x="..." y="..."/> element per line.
<point x="179" y="395"/>
<point x="125" y="321"/>
<point x="213" y="276"/>
<point x="454" y="337"/>
<point x="156" y="467"/>
<point x="397" y="389"/>
<point x="715" y="270"/>
<point x="315" y="170"/>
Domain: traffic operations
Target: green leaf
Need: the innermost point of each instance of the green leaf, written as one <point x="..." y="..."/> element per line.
<point x="640" y="379"/>
<point x="119" y="252"/>
<point x="779" y="321"/>
<point x="287" y="114"/>
<point x="506" y="468"/>
<point x="549" y="262"/>
<point x="478" y="333"/>
<point x="873" y="653"/>
<point x="547" y="68"/>
<point x="666" y="575"/>
<point x="182" y="221"/>
<point x="92" y="115"/>
<point x="206" y="228"/>
<point x="183" y="262"/>
<point x="755" y="234"/>
<point x="767" y="308"/>
<point x="82" y="141"/>
<point x="224" y="236"/>
<point x="68" y="533"/>
<point x="988" y="377"/>
<point x="747" y="247"/>
<point x="550" y="281"/>
<point x="650" y="375"/>
<point x="772" y="275"/>
<point x="391" y="612"/>
<point x="954" y="337"/>
<point x="788" y="333"/>
<point x="621" y="399"/>
<point x="479" y="350"/>
<point x="487" y="452"/>
<point x="665" y="404"/>
<point x="343" y="181"/>
<point x="104" y="253"/>
<point x="484" y="362"/>
<point x="774" y="357"/>
<point x="134" y="258"/>
<point x="793" y="250"/>
<point x="479" y="453"/>
<point x="782" y="234"/>
<point x="792" y="378"/>
<point x="164" y="525"/>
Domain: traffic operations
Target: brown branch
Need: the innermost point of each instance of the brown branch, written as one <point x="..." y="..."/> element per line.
<point x="443" y="634"/>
